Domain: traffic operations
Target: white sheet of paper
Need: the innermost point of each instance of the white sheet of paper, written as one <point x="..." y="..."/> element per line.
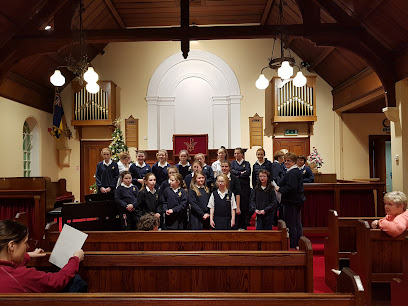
<point x="69" y="241"/>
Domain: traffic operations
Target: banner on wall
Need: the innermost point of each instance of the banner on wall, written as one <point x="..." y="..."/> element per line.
<point x="57" y="126"/>
<point x="194" y="144"/>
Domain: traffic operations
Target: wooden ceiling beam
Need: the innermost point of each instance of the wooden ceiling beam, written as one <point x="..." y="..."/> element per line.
<point x="310" y="12"/>
<point x="63" y="18"/>
<point x="185" y="24"/>
<point x="336" y="12"/>
<point x="115" y="14"/>
<point x="368" y="48"/>
<point x="321" y="32"/>
<point x="371" y="7"/>
<point x="267" y="11"/>
<point x="320" y="58"/>
<point x="361" y="89"/>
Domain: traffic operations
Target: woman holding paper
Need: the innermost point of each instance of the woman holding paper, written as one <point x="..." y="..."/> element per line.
<point x="15" y="277"/>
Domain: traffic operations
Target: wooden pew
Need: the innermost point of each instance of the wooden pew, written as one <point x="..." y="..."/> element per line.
<point x="34" y="195"/>
<point x="399" y="286"/>
<point x="181" y="240"/>
<point x="378" y="259"/>
<point x="340" y="243"/>
<point x="197" y="271"/>
<point x="351" y="294"/>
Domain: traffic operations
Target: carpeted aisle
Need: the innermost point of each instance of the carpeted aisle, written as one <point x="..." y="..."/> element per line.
<point x="318" y="260"/>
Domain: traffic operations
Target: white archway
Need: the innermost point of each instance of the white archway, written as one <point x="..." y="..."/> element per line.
<point x="217" y="99"/>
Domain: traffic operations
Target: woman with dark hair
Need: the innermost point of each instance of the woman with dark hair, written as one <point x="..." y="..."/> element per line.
<point x="15" y="277"/>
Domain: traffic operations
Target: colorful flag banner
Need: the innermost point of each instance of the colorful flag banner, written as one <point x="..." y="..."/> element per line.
<point x="57" y="126"/>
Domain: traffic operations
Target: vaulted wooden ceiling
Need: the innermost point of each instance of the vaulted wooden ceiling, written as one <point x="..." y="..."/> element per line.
<point x="359" y="47"/>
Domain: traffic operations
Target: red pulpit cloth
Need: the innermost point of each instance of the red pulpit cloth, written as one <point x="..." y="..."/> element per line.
<point x="192" y="143"/>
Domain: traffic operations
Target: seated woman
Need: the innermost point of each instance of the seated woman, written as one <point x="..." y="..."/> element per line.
<point x="396" y="220"/>
<point x="15" y="277"/>
<point x="148" y="222"/>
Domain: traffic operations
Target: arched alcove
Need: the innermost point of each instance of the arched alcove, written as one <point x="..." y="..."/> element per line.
<point x="197" y="95"/>
<point x="31" y="147"/>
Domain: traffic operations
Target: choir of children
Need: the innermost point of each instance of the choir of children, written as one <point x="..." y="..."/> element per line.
<point x="184" y="196"/>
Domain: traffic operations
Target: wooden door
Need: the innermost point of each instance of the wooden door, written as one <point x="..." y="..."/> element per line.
<point x="298" y="145"/>
<point x="377" y="156"/>
<point x="90" y="156"/>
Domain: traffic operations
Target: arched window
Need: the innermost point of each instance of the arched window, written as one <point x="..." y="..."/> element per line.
<point x="27" y="146"/>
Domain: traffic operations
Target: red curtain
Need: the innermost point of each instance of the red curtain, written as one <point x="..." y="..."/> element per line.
<point x="356" y="203"/>
<point x="316" y="208"/>
<point x="10" y="207"/>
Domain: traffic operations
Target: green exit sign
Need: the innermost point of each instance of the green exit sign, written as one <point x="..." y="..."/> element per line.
<point x="291" y="132"/>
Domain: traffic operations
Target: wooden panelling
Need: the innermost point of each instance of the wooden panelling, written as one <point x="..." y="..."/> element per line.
<point x="358" y="91"/>
<point x="182" y="240"/>
<point x="378" y="258"/>
<point x="198" y="271"/>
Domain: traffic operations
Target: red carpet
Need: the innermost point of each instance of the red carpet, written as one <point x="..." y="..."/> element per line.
<point x="318" y="260"/>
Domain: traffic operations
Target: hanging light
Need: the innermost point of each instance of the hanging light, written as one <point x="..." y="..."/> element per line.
<point x="93" y="88"/>
<point x="283" y="64"/>
<point x="90" y="76"/>
<point x="79" y="66"/>
<point x="57" y="79"/>
<point x="299" y="80"/>
<point x="262" y="82"/>
<point x="285" y="71"/>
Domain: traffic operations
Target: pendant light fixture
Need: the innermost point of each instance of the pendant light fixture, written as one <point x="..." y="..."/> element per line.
<point x="80" y="67"/>
<point x="283" y="64"/>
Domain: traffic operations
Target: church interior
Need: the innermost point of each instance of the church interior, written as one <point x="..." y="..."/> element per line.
<point x="190" y="67"/>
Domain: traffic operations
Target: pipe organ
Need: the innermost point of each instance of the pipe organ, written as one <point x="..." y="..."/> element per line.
<point x="94" y="109"/>
<point x="294" y="104"/>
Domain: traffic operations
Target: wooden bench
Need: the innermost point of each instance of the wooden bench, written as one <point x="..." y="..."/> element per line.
<point x="181" y="240"/>
<point x="196" y="271"/>
<point x="378" y="260"/>
<point x="399" y="286"/>
<point x="350" y="294"/>
<point x="340" y="243"/>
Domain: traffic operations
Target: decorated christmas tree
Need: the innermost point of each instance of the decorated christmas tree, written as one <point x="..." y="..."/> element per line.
<point x="118" y="143"/>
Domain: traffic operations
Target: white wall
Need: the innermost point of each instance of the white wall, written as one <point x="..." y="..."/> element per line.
<point x="12" y="118"/>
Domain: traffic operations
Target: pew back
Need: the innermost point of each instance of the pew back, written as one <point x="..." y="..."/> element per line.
<point x="197" y="271"/>
<point x="378" y="258"/>
<point x="399" y="286"/>
<point x="181" y="240"/>
<point x="340" y="243"/>
<point x="352" y="295"/>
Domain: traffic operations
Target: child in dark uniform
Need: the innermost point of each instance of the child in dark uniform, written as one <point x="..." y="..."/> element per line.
<point x="261" y="164"/>
<point x="107" y="173"/>
<point x="291" y="188"/>
<point x="148" y="199"/>
<point x="196" y="166"/>
<point x="207" y="170"/>
<point x="234" y="187"/>
<point x="139" y="169"/>
<point x="198" y="196"/>
<point x="126" y="195"/>
<point x="222" y="205"/>
<point x="242" y="170"/>
<point x="166" y="183"/>
<point x="308" y="176"/>
<point x="175" y="203"/>
<point x="159" y="169"/>
<point x="263" y="201"/>
<point x="184" y="166"/>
